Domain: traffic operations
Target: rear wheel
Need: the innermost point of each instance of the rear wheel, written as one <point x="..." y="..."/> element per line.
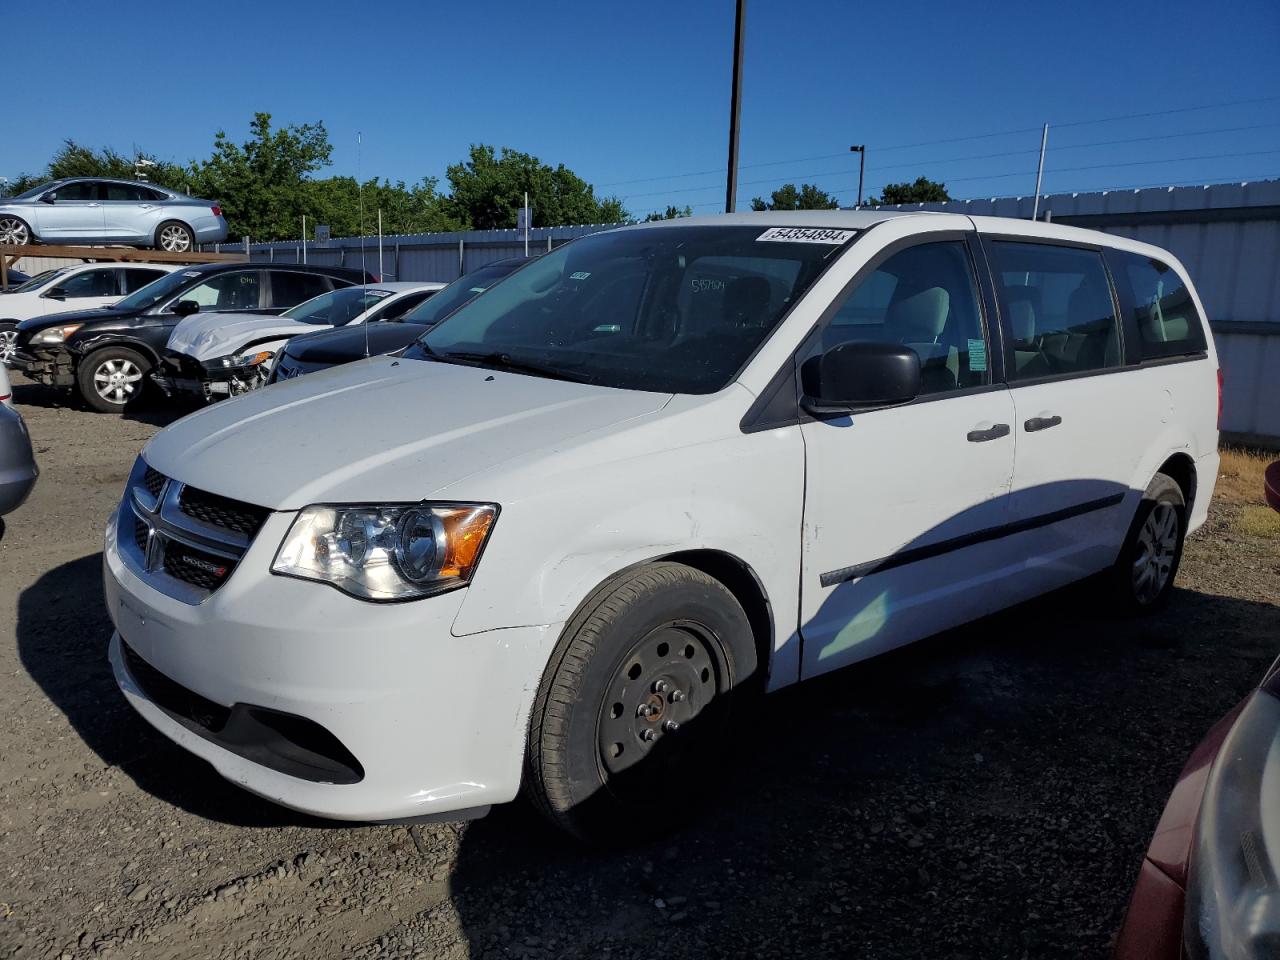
<point x="8" y="341"/>
<point x="112" y="379"/>
<point x="14" y="230"/>
<point x="637" y="703"/>
<point x="175" y="237"/>
<point x="1142" y="579"/>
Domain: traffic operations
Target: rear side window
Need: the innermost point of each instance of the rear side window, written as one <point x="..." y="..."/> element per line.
<point x="137" y="279"/>
<point x="1057" y="301"/>
<point x="924" y="298"/>
<point x="1158" y="305"/>
<point x="127" y="192"/>
<point x="290" y="289"/>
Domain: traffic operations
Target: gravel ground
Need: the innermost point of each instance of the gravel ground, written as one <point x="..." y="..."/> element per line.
<point x="987" y="794"/>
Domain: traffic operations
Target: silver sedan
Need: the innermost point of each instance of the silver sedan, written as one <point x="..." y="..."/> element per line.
<point x="82" y="210"/>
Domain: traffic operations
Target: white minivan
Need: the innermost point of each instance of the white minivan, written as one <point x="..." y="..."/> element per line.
<point x="564" y="539"/>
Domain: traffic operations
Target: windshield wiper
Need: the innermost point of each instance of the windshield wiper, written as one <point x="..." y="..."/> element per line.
<point x="504" y="361"/>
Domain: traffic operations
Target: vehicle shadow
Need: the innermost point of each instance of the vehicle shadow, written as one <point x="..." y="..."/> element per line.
<point x="152" y="409"/>
<point x="985" y="793"/>
<point x="62" y="635"/>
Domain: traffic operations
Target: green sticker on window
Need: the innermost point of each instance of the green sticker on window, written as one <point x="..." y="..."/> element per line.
<point x="977" y="354"/>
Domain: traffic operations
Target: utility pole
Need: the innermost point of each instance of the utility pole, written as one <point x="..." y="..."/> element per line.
<point x="1044" y="140"/>
<point x="735" y="109"/>
<point x="304" y="238"/>
<point x="861" y="151"/>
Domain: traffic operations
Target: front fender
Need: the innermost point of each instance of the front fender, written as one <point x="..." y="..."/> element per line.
<point x="563" y="535"/>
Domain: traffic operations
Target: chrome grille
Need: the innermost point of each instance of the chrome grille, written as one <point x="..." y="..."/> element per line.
<point x="153" y="481"/>
<point x="221" y="511"/>
<point x="186" y="542"/>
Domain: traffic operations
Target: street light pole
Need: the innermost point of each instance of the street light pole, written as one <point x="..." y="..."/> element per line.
<point x="861" y="150"/>
<point x="735" y="108"/>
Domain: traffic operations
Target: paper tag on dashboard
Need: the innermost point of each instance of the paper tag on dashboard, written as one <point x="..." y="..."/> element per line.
<point x="805" y="235"/>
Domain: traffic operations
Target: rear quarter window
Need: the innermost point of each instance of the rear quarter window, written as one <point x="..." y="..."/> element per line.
<point x="1161" y="319"/>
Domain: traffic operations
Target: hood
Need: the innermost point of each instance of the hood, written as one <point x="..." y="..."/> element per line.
<point x="208" y="336"/>
<point x="381" y="430"/>
<point x="348" y="343"/>
<point x="70" y="316"/>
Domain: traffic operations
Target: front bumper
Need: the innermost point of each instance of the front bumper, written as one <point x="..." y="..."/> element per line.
<point x="51" y="366"/>
<point x="179" y="375"/>
<point x="436" y="722"/>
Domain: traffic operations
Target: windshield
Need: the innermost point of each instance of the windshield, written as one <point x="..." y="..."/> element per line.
<point x="158" y="290"/>
<point x="337" y="307"/>
<point x="456" y="294"/>
<point x="669" y="309"/>
<point x="36" y="191"/>
<point x="40" y="279"/>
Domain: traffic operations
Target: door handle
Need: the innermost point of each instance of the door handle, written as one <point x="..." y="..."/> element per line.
<point x="144" y="206"/>
<point x="1041" y="423"/>
<point x="990" y="433"/>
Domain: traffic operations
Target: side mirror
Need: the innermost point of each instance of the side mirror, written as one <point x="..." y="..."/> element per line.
<point x="184" y="308"/>
<point x="50" y="197"/>
<point x="859" y="376"/>
<point x="57" y="293"/>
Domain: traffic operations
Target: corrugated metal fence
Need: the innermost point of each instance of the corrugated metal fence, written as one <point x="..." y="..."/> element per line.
<point x="420" y="256"/>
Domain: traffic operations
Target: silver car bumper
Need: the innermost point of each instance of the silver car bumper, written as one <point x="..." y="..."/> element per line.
<point x="18" y="469"/>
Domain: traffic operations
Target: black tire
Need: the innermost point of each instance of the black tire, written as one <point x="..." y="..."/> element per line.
<point x="174" y="236"/>
<point x="8" y="341"/>
<point x="97" y="388"/>
<point x="1142" y="579"/>
<point x="589" y="767"/>
<point x="12" y="228"/>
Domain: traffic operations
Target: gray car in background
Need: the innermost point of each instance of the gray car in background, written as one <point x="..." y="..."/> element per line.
<point x="18" y="470"/>
<point x="94" y="210"/>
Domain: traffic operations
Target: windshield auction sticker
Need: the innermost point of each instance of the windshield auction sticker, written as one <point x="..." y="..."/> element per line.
<point x="805" y="235"/>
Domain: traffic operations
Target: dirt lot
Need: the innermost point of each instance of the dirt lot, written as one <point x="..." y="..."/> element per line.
<point x="986" y="794"/>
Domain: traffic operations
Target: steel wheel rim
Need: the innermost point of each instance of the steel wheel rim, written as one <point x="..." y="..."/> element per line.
<point x="175" y="239"/>
<point x="666" y="680"/>
<point x="116" y="381"/>
<point x="8" y="345"/>
<point x="1157" y="547"/>
<point x="13" y="231"/>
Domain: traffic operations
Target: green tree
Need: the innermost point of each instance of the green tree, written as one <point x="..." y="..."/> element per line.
<point x="489" y="187"/>
<point x="787" y="197"/>
<point x="263" y="183"/>
<point x="671" y="213"/>
<point x="74" y="160"/>
<point x="923" y="190"/>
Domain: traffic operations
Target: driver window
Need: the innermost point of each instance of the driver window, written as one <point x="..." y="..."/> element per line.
<point x="924" y="298"/>
<point x="84" y="190"/>
<point x="226" y="291"/>
<point x="90" y="283"/>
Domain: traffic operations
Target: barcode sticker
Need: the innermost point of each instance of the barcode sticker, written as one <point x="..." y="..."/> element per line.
<point x="805" y="235"/>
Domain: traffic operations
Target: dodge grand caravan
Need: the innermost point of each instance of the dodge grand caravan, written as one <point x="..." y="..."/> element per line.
<point x="563" y="540"/>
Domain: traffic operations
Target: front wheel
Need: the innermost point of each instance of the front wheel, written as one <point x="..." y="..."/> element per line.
<point x="633" y="719"/>
<point x="1142" y="579"/>
<point x="14" y="230"/>
<point x="8" y="341"/>
<point x="175" y="237"/>
<point x="112" y="379"/>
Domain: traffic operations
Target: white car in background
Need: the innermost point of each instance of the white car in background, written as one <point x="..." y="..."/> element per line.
<point x="212" y="354"/>
<point x="80" y="287"/>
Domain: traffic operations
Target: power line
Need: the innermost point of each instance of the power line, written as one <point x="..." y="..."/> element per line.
<point x="987" y="136"/>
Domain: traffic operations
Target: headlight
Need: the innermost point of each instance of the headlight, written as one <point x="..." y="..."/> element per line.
<point x="395" y="552"/>
<point x="55" y="334"/>
<point x="1233" y="898"/>
<point x="247" y="359"/>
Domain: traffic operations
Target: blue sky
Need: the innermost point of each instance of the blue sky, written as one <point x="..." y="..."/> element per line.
<point x="633" y="96"/>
